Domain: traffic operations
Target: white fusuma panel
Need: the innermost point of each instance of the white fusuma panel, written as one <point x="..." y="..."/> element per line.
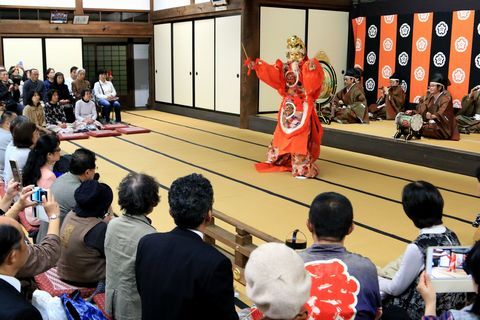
<point x="117" y="5"/>
<point x="39" y="3"/>
<point x="167" y="4"/>
<point x="328" y="31"/>
<point x="228" y="62"/>
<point x="205" y="64"/>
<point x="63" y="53"/>
<point x="163" y="62"/>
<point x="182" y="63"/>
<point x="25" y="50"/>
<point x="276" y="26"/>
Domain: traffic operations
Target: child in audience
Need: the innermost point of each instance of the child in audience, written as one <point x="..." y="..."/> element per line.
<point x="471" y="266"/>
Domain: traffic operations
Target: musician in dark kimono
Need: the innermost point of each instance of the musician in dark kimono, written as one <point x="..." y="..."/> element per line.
<point x="391" y="102"/>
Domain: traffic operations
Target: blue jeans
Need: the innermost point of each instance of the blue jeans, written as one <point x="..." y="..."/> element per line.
<point x="107" y="107"/>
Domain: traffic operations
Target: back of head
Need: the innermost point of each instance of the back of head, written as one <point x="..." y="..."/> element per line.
<point x="10" y="239"/>
<point x="93" y="199"/>
<point x="277" y="281"/>
<point x="331" y="216"/>
<point x="37" y="158"/>
<point x="82" y="160"/>
<point x="18" y="120"/>
<point x="472" y="266"/>
<point x="7" y="116"/>
<point x="138" y="194"/>
<point x="23" y="134"/>
<point x="423" y="204"/>
<point x="190" y="199"/>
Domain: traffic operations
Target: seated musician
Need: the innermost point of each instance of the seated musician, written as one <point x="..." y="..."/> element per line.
<point x="349" y="104"/>
<point x="468" y="118"/>
<point x="391" y="102"/>
<point x="436" y="109"/>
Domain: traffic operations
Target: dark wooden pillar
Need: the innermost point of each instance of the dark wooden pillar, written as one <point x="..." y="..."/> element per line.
<point x="251" y="41"/>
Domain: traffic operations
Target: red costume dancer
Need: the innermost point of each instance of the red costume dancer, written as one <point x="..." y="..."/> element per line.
<point x="296" y="142"/>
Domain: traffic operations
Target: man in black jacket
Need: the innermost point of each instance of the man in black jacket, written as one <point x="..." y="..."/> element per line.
<point x="7" y="90"/>
<point x="178" y="275"/>
<point x="13" y="255"/>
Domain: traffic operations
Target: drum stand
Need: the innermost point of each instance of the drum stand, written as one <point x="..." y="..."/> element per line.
<point x="407" y="132"/>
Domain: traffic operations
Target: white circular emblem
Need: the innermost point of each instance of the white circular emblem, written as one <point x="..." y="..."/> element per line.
<point x="403" y="59"/>
<point x="371" y="58"/>
<point x="458" y="75"/>
<point x="441" y="29"/>
<point x="422" y="44"/>
<point x="387" y="44"/>
<point x="461" y="44"/>
<point x="478" y="29"/>
<point x="386" y="72"/>
<point x="439" y="59"/>
<point x="358" y="45"/>
<point x="370" y="84"/>
<point x="463" y="14"/>
<point x="423" y="17"/>
<point x="404" y="86"/>
<point x="419" y="74"/>
<point x="416" y="99"/>
<point x="457" y="104"/>
<point x="404" y="30"/>
<point x="359" y="20"/>
<point x="388" y="19"/>
<point x="372" y="31"/>
<point x="477" y="61"/>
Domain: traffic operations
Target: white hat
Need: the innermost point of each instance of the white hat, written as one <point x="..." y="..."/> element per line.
<point x="277" y="281"/>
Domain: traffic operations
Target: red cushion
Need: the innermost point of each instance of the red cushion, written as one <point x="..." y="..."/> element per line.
<point x="49" y="281"/>
<point x="99" y="300"/>
<point x="115" y="126"/>
<point x="24" y="222"/>
<point x="72" y="136"/>
<point x="132" y="130"/>
<point x="103" y="133"/>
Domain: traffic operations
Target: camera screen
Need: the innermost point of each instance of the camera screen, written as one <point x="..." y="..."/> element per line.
<point x="447" y="263"/>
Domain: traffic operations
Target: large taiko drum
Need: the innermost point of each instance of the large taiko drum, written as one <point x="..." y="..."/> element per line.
<point x="405" y="121"/>
<point x="329" y="86"/>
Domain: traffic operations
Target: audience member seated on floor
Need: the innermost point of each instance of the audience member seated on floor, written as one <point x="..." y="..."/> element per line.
<point x="25" y="135"/>
<point x="5" y="136"/>
<point x="54" y="113"/>
<point x="35" y="111"/>
<point x="391" y="101"/>
<point x="33" y="85"/>
<point x="178" y="275"/>
<point x="82" y="261"/>
<point x="351" y="276"/>
<point x="468" y="118"/>
<point x="85" y="109"/>
<point x="38" y="169"/>
<point x="73" y="77"/>
<point x="472" y="267"/>
<point x="137" y="197"/>
<point x="106" y="96"/>
<point x="436" y="109"/>
<point x="80" y="84"/>
<point x="423" y="204"/>
<point x="277" y="283"/>
<point x="49" y="79"/>
<point x="13" y="255"/>
<point x="64" y="97"/>
<point x="82" y="168"/>
<point x="9" y="93"/>
<point x="349" y="104"/>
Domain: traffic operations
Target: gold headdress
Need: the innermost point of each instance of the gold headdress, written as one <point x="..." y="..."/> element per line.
<point x="295" y="44"/>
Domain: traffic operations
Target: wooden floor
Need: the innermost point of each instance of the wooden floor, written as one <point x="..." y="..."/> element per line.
<point x="276" y="203"/>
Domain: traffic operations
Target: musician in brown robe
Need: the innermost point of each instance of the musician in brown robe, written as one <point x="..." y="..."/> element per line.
<point x="468" y="118"/>
<point x="349" y="104"/>
<point x="437" y="111"/>
<point x="391" y="102"/>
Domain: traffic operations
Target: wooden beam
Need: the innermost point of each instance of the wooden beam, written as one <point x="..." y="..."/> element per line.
<point x="79" y="7"/>
<point x="202" y="10"/>
<point x="344" y="5"/>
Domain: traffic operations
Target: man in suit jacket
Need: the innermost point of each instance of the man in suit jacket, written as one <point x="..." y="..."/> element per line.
<point x="178" y="275"/>
<point x="13" y="255"/>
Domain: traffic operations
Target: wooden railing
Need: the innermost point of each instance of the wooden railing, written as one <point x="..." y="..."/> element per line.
<point x="240" y="241"/>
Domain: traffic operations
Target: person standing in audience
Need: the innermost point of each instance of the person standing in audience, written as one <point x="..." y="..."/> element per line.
<point x="54" y="114"/>
<point x="82" y="168"/>
<point x="80" y="84"/>
<point x="427" y="291"/>
<point x="33" y="85"/>
<point x="65" y="99"/>
<point x="13" y="255"/>
<point x="339" y="277"/>
<point x="178" y="275"/>
<point x="137" y="197"/>
<point x="423" y="204"/>
<point x="82" y="260"/>
<point x="73" y="77"/>
<point x="85" y="109"/>
<point x="35" y="111"/>
<point x="5" y="136"/>
<point x="49" y="80"/>
<point x="106" y="96"/>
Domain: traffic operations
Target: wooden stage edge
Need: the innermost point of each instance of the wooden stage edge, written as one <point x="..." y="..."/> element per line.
<point x="447" y="159"/>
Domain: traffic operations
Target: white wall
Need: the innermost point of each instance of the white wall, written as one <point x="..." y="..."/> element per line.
<point x="328" y="31"/>
<point x="163" y="62"/>
<point x="276" y="26"/>
<point x="117" y="4"/>
<point x="63" y="53"/>
<point x="201" y="1"/>
<point x="28" y="50"/>
<point x="39" y="3"/>
<point x="140" y="62"/>
<point x="167" y="4"/>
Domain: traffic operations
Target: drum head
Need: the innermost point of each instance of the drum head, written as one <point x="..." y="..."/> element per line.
<point x="329" y="85"/>
<point x="398" y="117"/>
<point x="416" y="122"/>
